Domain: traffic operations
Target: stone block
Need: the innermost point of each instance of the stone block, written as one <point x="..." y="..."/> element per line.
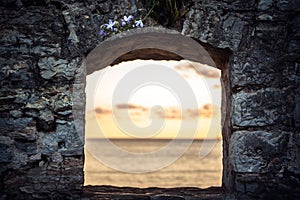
<point x="57" y="157"/>
<point x="264" y="4"/>
<point x="243" y="5"/>
<point x="73" y="140"/>
<point x="78" y="96"/>
<point x="17" y="73"/>
<point x="52" y="68"/>
<point x="65" y="140"/>
<point x="47" y="49"/>
<point x="16" y="113"/>
<point x="35" y="101"/>
<point x="257" y="68"/>
<point x="63" y="101"/>
<point x="16" y="124"/>
<point x="46" y="120"/>
<point x="35" y="157"/>
<point x="20" y="159"/>
<point x="261" y="108"/>
<point x="6" y="151"/>
<point x="288" y="5"/>
<point x="262" y="186"/>
<point x="232" y="27"/>
<point x="19" y="129"/>
<point x="258" y="151"/>
<point x="49" y="144"/>
<point x="29" y="147"/>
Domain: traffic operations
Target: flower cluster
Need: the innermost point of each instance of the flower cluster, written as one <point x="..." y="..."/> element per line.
<point x="124" y="24"/>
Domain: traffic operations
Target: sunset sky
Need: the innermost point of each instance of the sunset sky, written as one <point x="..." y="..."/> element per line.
<point x="153" y="110"/>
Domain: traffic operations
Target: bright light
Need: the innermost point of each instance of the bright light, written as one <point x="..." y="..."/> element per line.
<point x="203" y="80"/>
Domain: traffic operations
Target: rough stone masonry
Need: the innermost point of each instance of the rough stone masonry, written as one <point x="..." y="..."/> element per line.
<point x="42" y="47"/>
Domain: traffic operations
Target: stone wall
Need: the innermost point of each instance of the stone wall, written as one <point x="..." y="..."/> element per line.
<point x="261" y="152"/>
<point x="42" y="47"/>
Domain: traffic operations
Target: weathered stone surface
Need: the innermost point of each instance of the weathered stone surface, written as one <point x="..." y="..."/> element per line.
<point x="188" y="193"/>
<point x="265" y="4"/>
<point x="252" y="109"/>
<point x="78" y="98"/>
<point x="242" y="5"/>
<point x="65" y="140"/>
<point x="16" y="113"/>
<point x="6" y="153"/>
<point x="42" y="47"/>
<point x="36" y="157"/>
<point x="46" y="120"/>
<point x="297" y="99"/>
<point x="258" y="151"/>
<point x="279" y="187"/>
<point x="16" y="124"/>
<point x="287" y="5"/>
<point x="16" y="73"/>
<point x="55" y="68"/>
<point x="295" y="161"/>
<point x="253" y="70"/>
<point x="217" y="27"/>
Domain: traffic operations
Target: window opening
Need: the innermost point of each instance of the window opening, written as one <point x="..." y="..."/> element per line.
<point x="149" y="103"/>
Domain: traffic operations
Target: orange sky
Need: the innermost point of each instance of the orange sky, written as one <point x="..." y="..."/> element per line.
<point x="153" y="110"/>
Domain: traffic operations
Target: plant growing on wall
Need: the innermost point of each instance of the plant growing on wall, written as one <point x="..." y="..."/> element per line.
<point x="166" y="12"/>
<point x="126" y="23"/>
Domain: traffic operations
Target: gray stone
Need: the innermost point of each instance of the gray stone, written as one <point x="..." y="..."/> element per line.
<point x="105" y="7"/>
<point x="46" y="120"/>
<point x="65" y="113"/>
<point x="167" y="197"/>
<point x="16" y="124"/>
<point x="265" y="4"/>
<point x="298" y="140"/>
<point x="20" y="159"/>
<point x="63" y="102"/>
<point x="250" y="108"/>
<point x="78" y="96"/>
<point x="59" y="121"/>
<point x="16" y="113"/>
<point x="297" y="100"/>
<point x="29" y="147"/>
<point x="36" y="102"/>
<point x="6" y="153"/>
<point x="72" y="33"/>
<point x="36" y="157"/>
<point x="249" y="73"/>
<point x="32" y="113"/>
<point x="69" y="135"/>
<point x="57" y="157"/>
<point x="42" y="48"/>
<point x="51" y="67"/>
<point x="243" y="5"/>
<point x="265" y="17"/>
<point x="287" y="5"/>
<point x="257" y="151"/>
<point x="49" y="144"/>
<point x="54" y="49"/>
<point x="27" y="134"/>
<point x="66" y="140"/>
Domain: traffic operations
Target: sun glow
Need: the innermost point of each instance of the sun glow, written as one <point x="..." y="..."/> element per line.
<point x="153" y="103"/>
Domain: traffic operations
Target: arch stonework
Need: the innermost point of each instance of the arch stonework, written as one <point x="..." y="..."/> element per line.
<point x="44" y="43"/>
<point x="162" y="44"/>
<point x="147" y="43"/>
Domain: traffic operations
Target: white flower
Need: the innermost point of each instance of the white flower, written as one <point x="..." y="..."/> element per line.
<point x="110" y="24"/>
<point x="139" y="23"/>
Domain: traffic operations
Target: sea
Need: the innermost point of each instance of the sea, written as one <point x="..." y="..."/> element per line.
<point x="124" y="162"/>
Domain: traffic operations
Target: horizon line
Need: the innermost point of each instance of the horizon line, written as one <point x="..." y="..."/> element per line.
<point x="120" y="138"/>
